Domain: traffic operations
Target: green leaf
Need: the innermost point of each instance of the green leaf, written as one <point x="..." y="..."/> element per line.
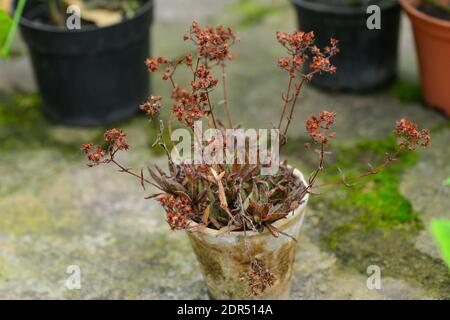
<point x="441" y="232"/>
<point x="446" y="182"/>
<point x="5" y="26"/>
<point x="10" y="28"/>
<point x="253" y="11"/>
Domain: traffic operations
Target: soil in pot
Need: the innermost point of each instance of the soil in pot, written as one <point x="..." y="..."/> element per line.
<point x="433" y="11"/>
<point x="90" y="76"/>
<point x="368" y="58"/>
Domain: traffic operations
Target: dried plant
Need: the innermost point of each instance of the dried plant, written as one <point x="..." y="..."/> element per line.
<point x="236" y="197"/>
<point x="258" y="278"/>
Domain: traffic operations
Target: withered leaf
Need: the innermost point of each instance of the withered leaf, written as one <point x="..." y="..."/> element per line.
<point x="198" y="227"/>
<point x="205" y="217"/>
<point x="274" y="217"/>
<point x="156" y="196"/>
<point x="142" y="179"/>
<point x="228" y="229"/>
<point x="222" y="196"/>
<point x="273" y="230"/>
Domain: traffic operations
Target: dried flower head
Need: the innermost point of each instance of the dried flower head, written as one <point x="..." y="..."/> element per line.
<point x="300" y="48"/>
<point x="153" y="64"/>
<point x="152" y="106"/>
<point x="258" y="279"/>
<point x="86" y="147"/>
<point x="178" y="210"/>
<point x="297" y="42"/>
<point x="410" y="136"/>
<point x="212" y="44"/>
<point x="95" y="153"/>
<point x="203" y="80"/>
<point x="318" y="127"/>
<point x="189" y="107"/>
<point x="116" y="139"/>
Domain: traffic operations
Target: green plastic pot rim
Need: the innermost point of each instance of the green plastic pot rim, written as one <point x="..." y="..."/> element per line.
<point x="339" y="10"/>
<point x="412" y="10"/>
<point x="278" y="224"/>
<point x="60" y="30"/>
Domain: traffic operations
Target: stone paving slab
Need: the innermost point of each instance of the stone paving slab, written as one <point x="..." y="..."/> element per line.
<point x="56" y="212"/>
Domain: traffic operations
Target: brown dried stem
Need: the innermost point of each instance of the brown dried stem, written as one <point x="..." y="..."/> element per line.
<point x="285" y="100"/>
<point x="225" y="96"/>
<point x="390" y="158"/>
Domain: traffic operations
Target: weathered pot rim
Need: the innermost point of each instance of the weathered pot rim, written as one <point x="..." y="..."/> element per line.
<point x="24" y="21"/>
<point x="280" y="224"/>
<point x="339" y="10"/>
<point x="410" y="6"/>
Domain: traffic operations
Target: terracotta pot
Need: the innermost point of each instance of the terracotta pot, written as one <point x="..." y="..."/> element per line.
<point x="433" y="48"/>
<point x="223" y="258"/>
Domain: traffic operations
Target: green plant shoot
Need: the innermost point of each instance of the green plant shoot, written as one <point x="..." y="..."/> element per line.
<point x="446" y="182"/>
<point x="441" y="232"/>
<point x="8" y="28"/>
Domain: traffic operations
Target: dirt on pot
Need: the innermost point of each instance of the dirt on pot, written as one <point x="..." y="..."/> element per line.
<point x="434" y="12"/>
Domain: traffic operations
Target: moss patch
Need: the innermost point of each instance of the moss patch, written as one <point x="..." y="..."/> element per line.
<point x="376" y="198"/>
<point x="22" y="126"/>
<point x="383" y="224"/>
<point x="251" y="12"/>
<point x="440" y="127"/>
<point x="406" y="92"/>
<point x="26" y="214"/>
<point x="372" y="222"/>
<point x="394" y="252"/>
<point x="374" y="201"/>
<point x="7" y="271"/>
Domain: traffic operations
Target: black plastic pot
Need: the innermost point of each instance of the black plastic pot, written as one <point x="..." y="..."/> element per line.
<point x="368" y="58"/>
<point x="92" y="76"/>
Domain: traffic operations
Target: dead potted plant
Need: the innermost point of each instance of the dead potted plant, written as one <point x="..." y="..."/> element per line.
<point x="242" y="220"/>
